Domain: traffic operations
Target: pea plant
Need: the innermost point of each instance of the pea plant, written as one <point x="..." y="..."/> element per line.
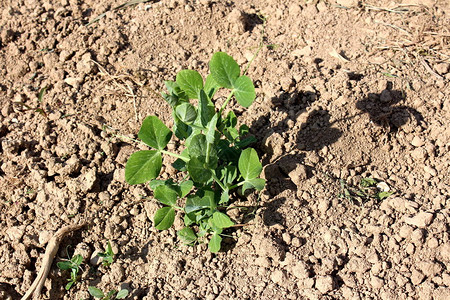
<point x="216" y="159"/>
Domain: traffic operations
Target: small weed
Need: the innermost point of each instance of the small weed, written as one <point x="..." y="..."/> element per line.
<point x="38" y="108"/>
<point x="73" y="265"/>
<point x="108" y="256"/>
<point x="217" y="159"/>
<point x="368" y="188"/>
<point x="98" y="293"/>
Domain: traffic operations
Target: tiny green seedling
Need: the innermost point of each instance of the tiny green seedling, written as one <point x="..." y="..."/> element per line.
<point x="216" y="157"/>
<point x="98" y="293"/>
<point x="37" y="109"/>
<point x="368" y="188"/>
<point x="74" y="266"/>
<point x="108" y="256"/>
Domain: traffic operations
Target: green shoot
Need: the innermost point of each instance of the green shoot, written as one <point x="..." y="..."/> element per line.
<point x="111" y="295"/>
<point x="108" y="256"/>
<point x="73" y="265"/>
<point x="367" y="189"/>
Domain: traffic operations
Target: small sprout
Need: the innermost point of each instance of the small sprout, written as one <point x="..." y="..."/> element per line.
<point x="73" y="265"/>
<point x="108" y="256"/>
<point x="368" y="188"/>
<point x="111" y="295"/>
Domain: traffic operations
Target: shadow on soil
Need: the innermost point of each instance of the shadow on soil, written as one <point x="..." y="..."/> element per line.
<point x="314" y="133"/>
<point x="384" y="110"/>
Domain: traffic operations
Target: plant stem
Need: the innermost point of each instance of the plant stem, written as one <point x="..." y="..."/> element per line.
<point x="217" y="180"/>
<point x="236" y="185"/>
<point x="175" y="155"/>
<point x="226" y="102"/>
<point x="208" y="148"/>
<point x="261" y="44"/>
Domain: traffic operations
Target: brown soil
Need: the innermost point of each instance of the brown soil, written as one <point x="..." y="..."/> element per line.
<point x="345" y="90"/>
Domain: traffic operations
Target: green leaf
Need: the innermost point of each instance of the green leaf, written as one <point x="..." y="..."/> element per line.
<point x="69" y="285"/>
<point x="224" y="69"/>
<point x="176" y="94"/>
<point x="244" y="91"/>
<point x="154" y="133"/>
<point x="189" y="219"/>
<point x="41" y="94"/>
<point x="171" y="99"/>
<point x="245" y="142"/>
<point x="243" y="130"/>
<point x="122" y="294"/>
<point x="96" y="292"/>
<point x="210" y="135"/>
<point x="110" y="294"/>
<point x="191" y="82"/>
<point x="229" y="174"/>
<point x="187" y="235"/>
<point x="77" y="260"/>
<point x="225" y="197"/>
<point x="164" y="218"/>
<point x="186" y="112"/>
<point x="211" y="196"/>
<point x="143" y="166"/>
<point x="226" y="152"/>
<point x="171" y="86"/>
<point x="64" y="265"/>
<point x="196" y="203"/>
<point x="166" y="194"/>
<point x="156" y="182"/>
<point x="257" y="183"/>
<point x="197" y="170"/>
<point x="211" y="86"/>
<point x="197" y="147"/>
<point x="187" y="143"/>
<point x="176" y="90"/>
<point x="179" y="164"/>
<point x="368" y="182"/>
<point x="182" y="130"/>
<point x="186" y="187"/>
<point x="231" y="120"/>
<point x="213" y="227"/>
<point x="206" y="110"/>
<point x="249" y="164"/>
<point x="231" y="133"/>
<point x="221" y="220"/>
<point x="214" y="243"/>
<point x="383" y="195"/>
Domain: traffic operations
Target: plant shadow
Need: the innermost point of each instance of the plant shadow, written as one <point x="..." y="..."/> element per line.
<point x="385" y="109"/>
<point x="283" y="143"/>
<point x="251" y="21"/>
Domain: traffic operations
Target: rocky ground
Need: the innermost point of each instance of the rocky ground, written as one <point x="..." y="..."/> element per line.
<point x="346" y="90"/>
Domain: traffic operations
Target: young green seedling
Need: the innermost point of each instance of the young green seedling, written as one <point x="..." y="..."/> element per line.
<point x="216" y="157"/>
<point x="367" y="189"/>
<point x="98" y="293"/>
<point x="108" y="255"/>
<point x="39" y="108"/>
<point x="74" y="266"/>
